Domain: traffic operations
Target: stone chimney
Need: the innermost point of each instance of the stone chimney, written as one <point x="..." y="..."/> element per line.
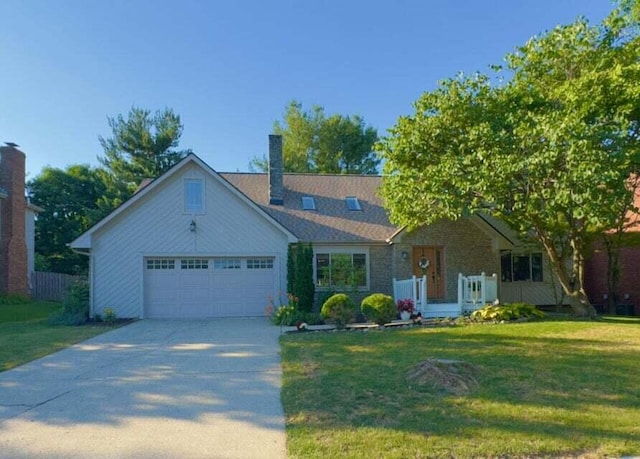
<point x="276" y="166"/>
<point x="13" y="247"/>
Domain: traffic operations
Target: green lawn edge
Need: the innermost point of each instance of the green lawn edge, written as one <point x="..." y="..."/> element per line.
<point x="26" y="335"/>
<point x="544" y="389"/>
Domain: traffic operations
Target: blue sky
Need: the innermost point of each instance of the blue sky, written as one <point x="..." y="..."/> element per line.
<point x="230" y="67"/>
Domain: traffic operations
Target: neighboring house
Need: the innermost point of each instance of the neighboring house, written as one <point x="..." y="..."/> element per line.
<point x="198" y="243"/>
<point x="17" y="224"/>
<point x="627" y="296"/>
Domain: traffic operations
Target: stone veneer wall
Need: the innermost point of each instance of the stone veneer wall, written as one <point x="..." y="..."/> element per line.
<point x="466" y="249"/>
<point x="380" y="274"/>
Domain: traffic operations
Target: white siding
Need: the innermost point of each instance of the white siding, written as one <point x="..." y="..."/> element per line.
<point x="158" y="226"/>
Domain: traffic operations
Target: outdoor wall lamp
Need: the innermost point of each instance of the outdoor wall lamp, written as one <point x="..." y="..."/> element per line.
<point x="404" y="255"/>
<point x="192" y="226"/>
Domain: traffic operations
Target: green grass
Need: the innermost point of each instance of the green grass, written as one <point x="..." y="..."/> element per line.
<point x="23" y="312"/>
<point x="26" y="335"/>
<point x="544" y="389"/>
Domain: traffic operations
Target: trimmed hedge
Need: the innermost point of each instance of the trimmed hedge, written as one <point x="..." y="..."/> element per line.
<point x="378" y="308"/>
<point x="339" y="309"/>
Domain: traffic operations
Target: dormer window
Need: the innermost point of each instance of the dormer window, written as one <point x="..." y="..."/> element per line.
<point x="353" y="203"/>
<point x="194" y="196"/>
<point x="308" y="203"/>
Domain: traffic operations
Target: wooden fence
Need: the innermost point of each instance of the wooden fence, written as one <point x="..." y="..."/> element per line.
<point x="51" y="286"/>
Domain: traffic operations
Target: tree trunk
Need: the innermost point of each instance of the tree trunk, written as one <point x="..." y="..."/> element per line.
<point x="572" y="282"/>
<point x="580" y="304"/>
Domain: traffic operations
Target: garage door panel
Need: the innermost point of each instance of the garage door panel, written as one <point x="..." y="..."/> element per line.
<point x="193" y="283"/>
<point x="213" y="287"/>
<point x="226" y="279"/>
<point x="192" y="310"/>
<point x="255" y="304"/>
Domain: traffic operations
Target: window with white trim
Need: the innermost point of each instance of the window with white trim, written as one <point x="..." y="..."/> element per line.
<point x="194" y="196"/>
<point x="341" y="270"/>
<point x="517" y="267"/>
<point x="194" y="263"/>
<point x="260" y="263"/>
<point x="227" y="263"/>
<point x="161" y="263"/>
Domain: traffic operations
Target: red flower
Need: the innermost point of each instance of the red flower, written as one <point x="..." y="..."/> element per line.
<point x="405" y="305"/>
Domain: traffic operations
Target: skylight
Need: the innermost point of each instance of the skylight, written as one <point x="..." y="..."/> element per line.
<point x="308" y="203"/>
<point x="353" y="203"/>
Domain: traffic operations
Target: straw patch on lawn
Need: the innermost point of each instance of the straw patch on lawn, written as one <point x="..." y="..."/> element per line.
<point x="452" y="376"/>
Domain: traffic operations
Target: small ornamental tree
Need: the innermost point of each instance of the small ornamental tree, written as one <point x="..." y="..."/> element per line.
<point x="550" y="151"/>
<point x="300" y="275"/>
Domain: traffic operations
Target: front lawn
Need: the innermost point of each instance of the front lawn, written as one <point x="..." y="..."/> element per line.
<point x="24" y="312"/>
<point x="557" y="388"/>
<point x="26" y="335"/>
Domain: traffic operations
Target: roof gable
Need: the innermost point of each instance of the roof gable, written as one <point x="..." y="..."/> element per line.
<point x="84" y="240"/>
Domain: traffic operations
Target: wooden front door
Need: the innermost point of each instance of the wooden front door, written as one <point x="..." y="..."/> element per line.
<point x="427" y="260"/>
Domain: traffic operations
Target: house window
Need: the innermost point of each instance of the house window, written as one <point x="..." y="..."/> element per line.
<point x="521" y="266"/>
<point x="194" y="263"/>
<point x="341" y="270"/>
<point x="226" y="263"/>
<point x="194" y="196"/>
<point x="161" y="263"/>
<point x="260" y="263"/>
<point x="308" y="203"/>
<point x="353" y="203"/>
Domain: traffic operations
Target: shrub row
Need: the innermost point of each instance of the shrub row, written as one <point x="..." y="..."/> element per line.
<point x="381" y="309"/>
<point x="512" y="311"/>
<point x="340" y="310"/>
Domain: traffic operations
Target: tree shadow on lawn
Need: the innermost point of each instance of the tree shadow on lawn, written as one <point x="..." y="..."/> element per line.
<point x="620" y="320"/>
<point x="528" y="386"/>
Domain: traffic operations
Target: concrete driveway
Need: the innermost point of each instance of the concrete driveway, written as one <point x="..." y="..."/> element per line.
<point x="152" y="389"/>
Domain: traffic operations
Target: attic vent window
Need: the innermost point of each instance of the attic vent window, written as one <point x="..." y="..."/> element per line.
<point x="194" y="196"/>
<point x="308" y="203"/>
<point x="353" y="203"/>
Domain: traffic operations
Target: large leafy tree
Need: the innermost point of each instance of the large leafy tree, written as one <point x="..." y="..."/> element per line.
<point x="73" y="199"/>
<point x="313" y="142"/>
<point x="144" y="145"/>
<point x="549" y="151"/>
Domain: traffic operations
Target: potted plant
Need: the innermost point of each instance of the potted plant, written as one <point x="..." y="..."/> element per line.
<point x="405" y="308"/>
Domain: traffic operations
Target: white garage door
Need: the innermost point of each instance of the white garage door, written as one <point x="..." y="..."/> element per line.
<point x="208" y="287"/>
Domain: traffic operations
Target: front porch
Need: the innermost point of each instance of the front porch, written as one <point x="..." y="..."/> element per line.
<point x="473" y="293"/>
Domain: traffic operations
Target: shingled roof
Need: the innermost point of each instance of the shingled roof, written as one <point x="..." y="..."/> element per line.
<point x="332" y="221"/>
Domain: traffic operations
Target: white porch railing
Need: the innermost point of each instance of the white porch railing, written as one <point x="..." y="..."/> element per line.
<point x="473" y="293"/>
<point x="476" y="291"/>
<point x="414" y="288"/>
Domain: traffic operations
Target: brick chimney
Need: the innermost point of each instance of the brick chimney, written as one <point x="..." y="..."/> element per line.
<point x="13" y="247"/>
<point x="276" y="186"/>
